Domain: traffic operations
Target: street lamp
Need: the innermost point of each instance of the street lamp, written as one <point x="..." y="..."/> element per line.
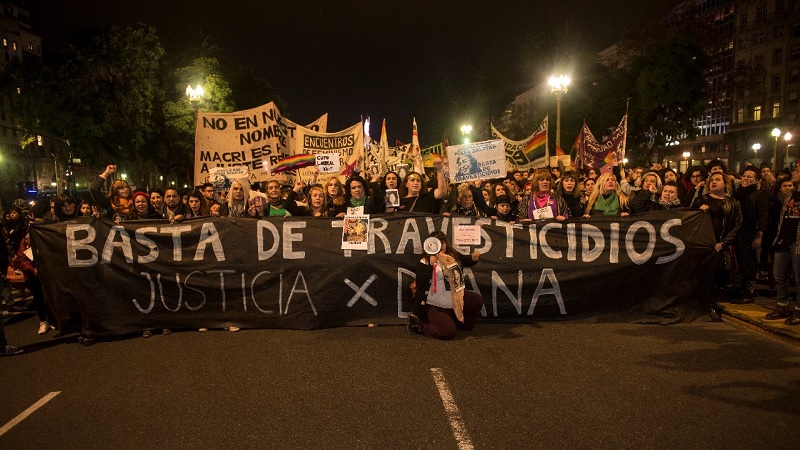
<point x="786" y="138"/>
<point x="686" y="156"/>
<point x="558" y="86"/>
<point x="775" y="133"/>
<point x="195" y="96"/>
<point x="465" y="131"/>
<point x="756" y="148"/>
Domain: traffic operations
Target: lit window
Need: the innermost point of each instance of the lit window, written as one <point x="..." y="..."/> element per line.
<point x="756" y="113"/>
<point x="776" y="109"/>
<point x="14" y="46"/>
<point x="5" y="42"/>
<point x="740" y="115"/>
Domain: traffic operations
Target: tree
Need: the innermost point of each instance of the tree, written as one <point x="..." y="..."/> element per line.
<point x="668" y="93"/>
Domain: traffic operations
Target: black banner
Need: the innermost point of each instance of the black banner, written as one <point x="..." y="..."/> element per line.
<point x="291" y="272"/>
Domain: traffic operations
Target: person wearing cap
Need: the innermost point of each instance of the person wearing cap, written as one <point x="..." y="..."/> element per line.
<point x="504" y="211"/>
<point x="143" y="207"/>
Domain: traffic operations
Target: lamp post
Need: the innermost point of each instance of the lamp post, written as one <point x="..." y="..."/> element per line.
<point x="195" y="96"/>
<point x="686" y="156"/>
<point x="558" y="86"/>
<point x="756" y="147"/>
<point x="786" y="138"/>
<point x="465" y="132"/>
<point x="775" y="133"/>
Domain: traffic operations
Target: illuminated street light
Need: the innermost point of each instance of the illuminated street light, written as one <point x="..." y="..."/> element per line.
<point x="786" y="138"/>
<point x="196" y="94"/>
<point x="775" y="133"/>
<point x="558" y="86"/>
<point x="465" y="131"/>
<point x="756" y="147"/>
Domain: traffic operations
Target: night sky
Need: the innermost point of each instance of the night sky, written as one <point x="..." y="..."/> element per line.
<point x="384" y="59"/>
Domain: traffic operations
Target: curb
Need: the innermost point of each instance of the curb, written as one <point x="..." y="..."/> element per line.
<point x="752" y="315"/>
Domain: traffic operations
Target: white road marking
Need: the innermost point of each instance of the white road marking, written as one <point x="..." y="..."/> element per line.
<point x="24" y="415"/>
<point x="456" y="422"/>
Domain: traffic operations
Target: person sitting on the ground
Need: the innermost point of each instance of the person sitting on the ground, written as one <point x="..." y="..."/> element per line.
<point x="441" y="304"/>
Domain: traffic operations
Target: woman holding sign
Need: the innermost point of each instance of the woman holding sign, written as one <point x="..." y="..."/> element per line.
<point x="441" y="304"/>
<point x="543" y="203"/>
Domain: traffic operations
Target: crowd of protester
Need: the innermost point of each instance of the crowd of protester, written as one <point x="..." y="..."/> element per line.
<point x="755" y="216"/>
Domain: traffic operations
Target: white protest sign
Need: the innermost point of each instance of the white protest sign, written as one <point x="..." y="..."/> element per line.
<point x="477" y="161"/>
<point x="328" y="163"/>
<point x="464" y="234"/>
<point x="221" y="177"/>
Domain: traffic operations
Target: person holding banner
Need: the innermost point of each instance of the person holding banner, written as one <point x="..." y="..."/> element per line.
<point x="607" y="198"/>
<point x="646" y="198"/>
<point x="118" y="204"/>
<point x="441" y="304"/>
<point x="143" y="207"/>
<point x="237" y="204"/>
<point x="569" y="191"/>
<point x="174" y="211"/>
<point x="317" y="206"/>
<point x="361" y="199"/>
<point x="726" y="218"/>
<point x="195" y="205"/>
<point x="543" y="203"/>
<point x="417" y="198"/>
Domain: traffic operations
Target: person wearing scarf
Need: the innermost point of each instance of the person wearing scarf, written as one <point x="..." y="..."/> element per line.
<point x="237" y="204"/>
<point x="542" y="197"/>
<point x="607" y="198"/>
<point x="118" y="203"/>
<point x="362" y="198"/>
<point x="441" y="305"/>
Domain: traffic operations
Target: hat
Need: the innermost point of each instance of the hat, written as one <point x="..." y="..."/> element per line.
<point x="138" y="193"/>
<point x="503" y="199"/>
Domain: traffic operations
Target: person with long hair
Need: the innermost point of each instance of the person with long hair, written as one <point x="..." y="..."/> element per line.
<point x="418" y="198"/>
<point x="607" y="198"/>
<point x="542" y="198"/>
<point x="118" y="203"/>
<point x="195" y="205"/>
<point x="441" y="304"/>
<point x="369" y="199"/>
<point x="335" y="191"/>
<point x="390" y="181"/>
<point x="317" y="203"/>
<point x="237" y="204"/>
<point x="568" y="190"/>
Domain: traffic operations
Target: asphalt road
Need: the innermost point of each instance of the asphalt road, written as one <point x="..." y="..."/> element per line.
<point x="539" y="385"/>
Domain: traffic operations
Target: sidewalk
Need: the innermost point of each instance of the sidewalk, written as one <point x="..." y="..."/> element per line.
<point x="752" y="315"/>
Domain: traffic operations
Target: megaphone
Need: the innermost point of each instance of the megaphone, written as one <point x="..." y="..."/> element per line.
<point x="432" y="245"/>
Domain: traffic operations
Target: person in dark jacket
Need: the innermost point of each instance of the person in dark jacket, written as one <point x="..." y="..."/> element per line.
<point x="646" y="198"/>
<point x="726" y="218"/>
<point x="755" y="216"/>
<point x="441" y="304"/>
<point x="569" y="191"/>
<point x="358" y="196"/>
